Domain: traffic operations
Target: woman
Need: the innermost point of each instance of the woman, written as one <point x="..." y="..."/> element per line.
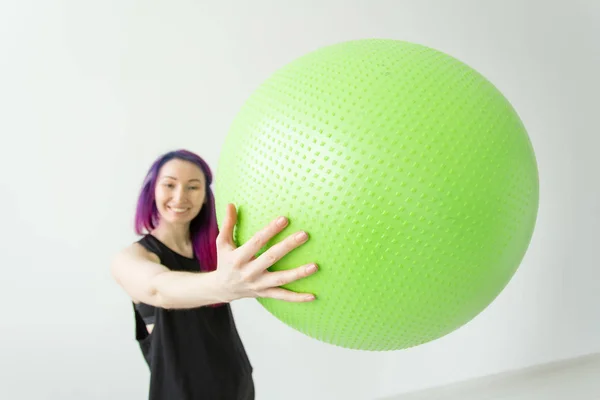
<point x="181" y="276"/>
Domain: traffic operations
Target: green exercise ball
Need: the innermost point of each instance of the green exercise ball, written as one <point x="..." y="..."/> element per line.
<point x="413" y="175"/>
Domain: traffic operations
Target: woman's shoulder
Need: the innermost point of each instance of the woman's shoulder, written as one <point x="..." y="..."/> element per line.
<point x="143" y="248"/>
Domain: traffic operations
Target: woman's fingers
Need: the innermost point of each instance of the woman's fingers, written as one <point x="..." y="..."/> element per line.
<point x="225" y="236"/>
<point x="286" y="295"/>
<point x="280" y="278"/>
<point x="249" y="249"/>
<point x="247" y="273"/>
<point x="277" y="252"/>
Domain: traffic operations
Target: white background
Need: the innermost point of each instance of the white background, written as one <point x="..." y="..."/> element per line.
<point x="92" y="92"/>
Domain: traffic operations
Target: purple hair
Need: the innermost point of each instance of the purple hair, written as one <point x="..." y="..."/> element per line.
<point x="203" y="228"/>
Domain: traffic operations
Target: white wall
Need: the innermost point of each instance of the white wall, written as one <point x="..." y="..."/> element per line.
<point x="91" y="92"/>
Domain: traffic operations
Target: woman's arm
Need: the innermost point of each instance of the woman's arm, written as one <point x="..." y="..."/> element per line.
<point x="238" y="275"/>
<point x="145" y="280"/>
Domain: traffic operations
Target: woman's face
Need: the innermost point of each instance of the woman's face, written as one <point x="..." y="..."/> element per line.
<point x="180" y="191"/>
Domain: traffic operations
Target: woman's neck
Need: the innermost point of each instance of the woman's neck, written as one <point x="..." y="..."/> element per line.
<point x="174" y="236"/>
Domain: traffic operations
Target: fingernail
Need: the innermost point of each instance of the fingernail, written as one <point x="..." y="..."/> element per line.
<point x="301" y="236"/>
<point x="311" y="268"/>
<point x="281" y="221"/>
<point x="310" y="297"/>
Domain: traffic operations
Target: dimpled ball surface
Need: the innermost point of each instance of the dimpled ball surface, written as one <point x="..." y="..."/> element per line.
<point x="412" y="174"/>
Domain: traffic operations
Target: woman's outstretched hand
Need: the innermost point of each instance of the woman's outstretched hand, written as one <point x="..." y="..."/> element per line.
<point x="242" y="274"/>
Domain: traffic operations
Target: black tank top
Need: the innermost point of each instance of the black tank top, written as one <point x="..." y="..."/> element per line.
<point x="193" y="354"/>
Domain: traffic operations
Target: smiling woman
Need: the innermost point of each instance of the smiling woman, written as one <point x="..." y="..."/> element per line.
<point x="180" y="191"/>
<point x="182" y="274"/>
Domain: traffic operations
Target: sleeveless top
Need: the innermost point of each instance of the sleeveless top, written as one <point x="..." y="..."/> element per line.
<point x="193" y="354"/>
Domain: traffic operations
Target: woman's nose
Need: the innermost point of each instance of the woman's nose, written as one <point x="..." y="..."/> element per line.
<point x="179" y="194"/>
